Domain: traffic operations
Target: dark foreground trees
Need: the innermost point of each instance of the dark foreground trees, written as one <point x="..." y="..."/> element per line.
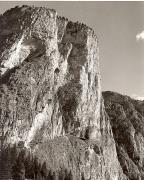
<point x="23" y="165"/>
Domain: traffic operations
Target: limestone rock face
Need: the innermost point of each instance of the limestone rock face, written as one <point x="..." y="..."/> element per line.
<point x="50" y="101"/>
<point x="127" y="121"/>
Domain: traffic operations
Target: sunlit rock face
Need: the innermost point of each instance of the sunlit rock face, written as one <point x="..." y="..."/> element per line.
<point x="127" y="121"/>
<point x="50" y="73"/>
<point x="51" y="96"/>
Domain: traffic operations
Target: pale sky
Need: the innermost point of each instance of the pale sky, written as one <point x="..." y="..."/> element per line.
<point x="120" y="29"/>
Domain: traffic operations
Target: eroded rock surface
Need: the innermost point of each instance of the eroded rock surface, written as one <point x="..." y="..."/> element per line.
<point x="127" y="121"/>
<point x="51" y="104"/>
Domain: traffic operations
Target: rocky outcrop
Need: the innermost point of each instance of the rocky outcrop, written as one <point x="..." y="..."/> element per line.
<point x="51" y="104"/>
<point x="127" y="121"/>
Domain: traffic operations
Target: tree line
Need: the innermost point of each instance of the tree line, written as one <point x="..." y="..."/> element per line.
<point x="23" y="165"/>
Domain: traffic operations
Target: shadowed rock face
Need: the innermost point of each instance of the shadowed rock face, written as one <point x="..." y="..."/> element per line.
<point x="127" y="121"/>
<point x="51" y="101"/>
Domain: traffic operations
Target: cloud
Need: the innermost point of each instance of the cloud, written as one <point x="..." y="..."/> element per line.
<point x="140" y="98"/>
<point x="140" y="36"/>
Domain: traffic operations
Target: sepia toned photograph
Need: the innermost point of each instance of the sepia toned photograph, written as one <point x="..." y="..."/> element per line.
<point x="71" y="90"/>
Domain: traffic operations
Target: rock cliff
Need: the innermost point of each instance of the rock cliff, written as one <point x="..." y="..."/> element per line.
<point x="127" y="121"/>
<point x="53" y="121"/>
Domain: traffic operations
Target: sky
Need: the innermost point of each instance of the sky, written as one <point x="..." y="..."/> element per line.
<point x="120" y="30"/>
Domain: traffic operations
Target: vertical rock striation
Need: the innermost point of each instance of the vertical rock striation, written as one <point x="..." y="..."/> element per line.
<point x="51" y="102"/>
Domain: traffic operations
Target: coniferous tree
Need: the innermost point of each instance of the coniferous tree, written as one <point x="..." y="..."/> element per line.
<point x="83" y="176"/>
<point x="18" y="170"/>
<point x="61" y="175"/>
<point x="44" y="171"/>
<point x="50" y="176"/>
<point x="39" y="176"/>
<point x="21" y="155"/>
<point x="36" y="168"/>
<point x="29" y="167"/>
<point x="68" y="176"/>
<point x="13" y="154"/>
